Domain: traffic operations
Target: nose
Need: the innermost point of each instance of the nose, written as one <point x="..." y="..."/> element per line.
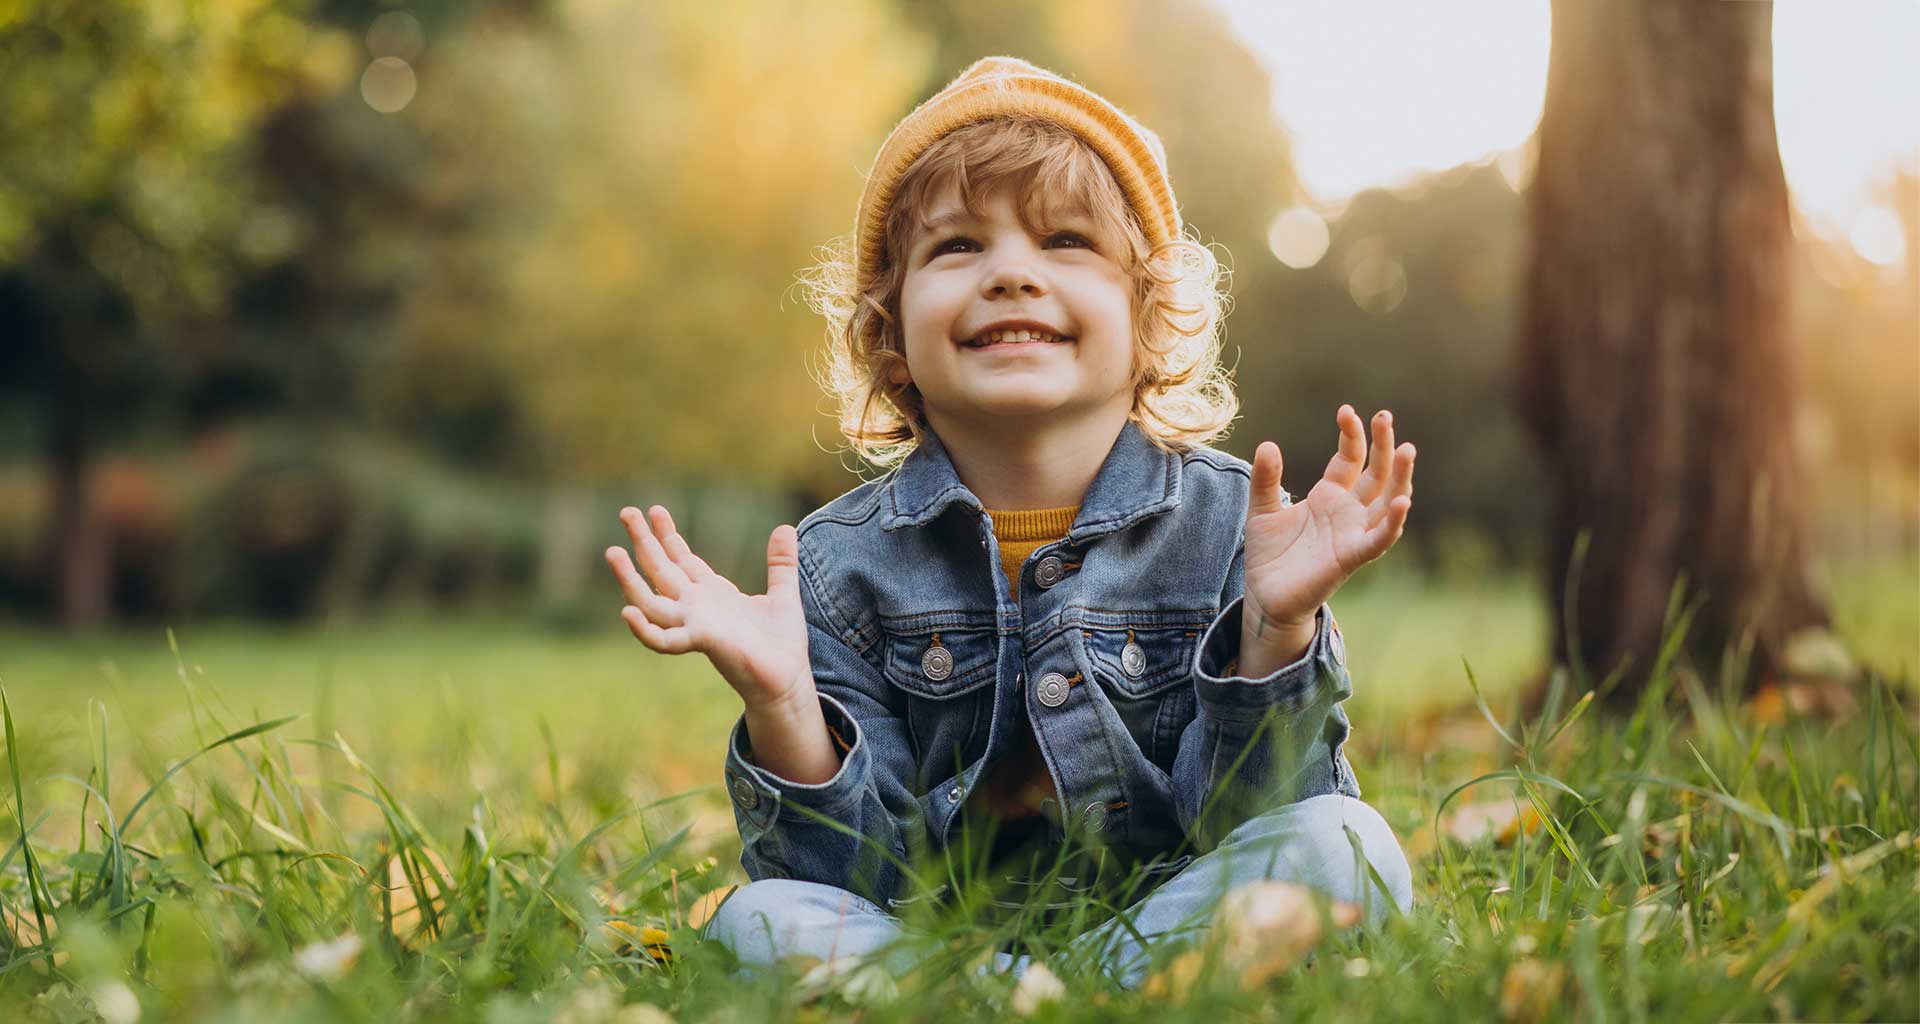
<point x="1012" y="274"/>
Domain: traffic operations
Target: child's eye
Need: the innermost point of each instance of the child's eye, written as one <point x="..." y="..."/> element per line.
<point x="1059" y="236"/>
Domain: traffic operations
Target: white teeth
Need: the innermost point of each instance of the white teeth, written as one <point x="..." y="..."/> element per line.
<point x="1014" y="337"/>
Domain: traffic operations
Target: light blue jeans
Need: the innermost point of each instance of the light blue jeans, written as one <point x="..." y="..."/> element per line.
<point x="1304" y="842"/>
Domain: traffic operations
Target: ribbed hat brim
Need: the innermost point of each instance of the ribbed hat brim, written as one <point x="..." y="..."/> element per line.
<point x="1010" y="87"/>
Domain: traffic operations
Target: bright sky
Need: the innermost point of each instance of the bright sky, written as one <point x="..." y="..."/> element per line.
<point x="1374" y="93"/>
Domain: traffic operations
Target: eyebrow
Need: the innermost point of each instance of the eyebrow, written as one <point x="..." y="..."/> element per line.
<point x="956" y="217"/>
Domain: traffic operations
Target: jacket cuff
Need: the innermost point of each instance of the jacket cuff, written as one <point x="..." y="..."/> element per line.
<point x="759" y="795"/>
<point x="1226" y="696"/>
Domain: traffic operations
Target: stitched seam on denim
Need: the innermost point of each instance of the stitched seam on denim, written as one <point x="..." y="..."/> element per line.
<point x="1072" y="618"/>
<point x="940" y="618"/>
<point x="931" y="510"/>
<point x="856" y="515"/>
<point x="1235" y="713"/>
<point x="1225" y="462"/>
<point x="808" y="571"/>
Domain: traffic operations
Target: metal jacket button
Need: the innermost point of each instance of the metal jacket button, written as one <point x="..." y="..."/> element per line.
<point x="937" y="663"/>
<point x="1095" y="816"/>
<point x="745" y="794"/>
<point x="1133" y="659"/>
<point x="1048" y="572"/>
<point x="953" y="795"/>
<point x="1052" y="689"/>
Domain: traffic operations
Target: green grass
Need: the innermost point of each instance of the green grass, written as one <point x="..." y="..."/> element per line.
<point x="1693" y="862"/>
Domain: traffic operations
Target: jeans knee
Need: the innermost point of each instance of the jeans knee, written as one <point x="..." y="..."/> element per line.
<point x="1343" y="847"/>
<point x="757" y="907"/>
<point x="774" y="918"/>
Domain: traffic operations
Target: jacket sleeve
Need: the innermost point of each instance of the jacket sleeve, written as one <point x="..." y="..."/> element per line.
<point x="854" y="829"/>
<point x="1255" y="744"/>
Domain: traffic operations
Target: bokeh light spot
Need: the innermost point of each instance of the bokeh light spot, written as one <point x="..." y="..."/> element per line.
<point x="388" y="85"/>
<point x="1299" y="237"/>
<point x="1376" y="280"/>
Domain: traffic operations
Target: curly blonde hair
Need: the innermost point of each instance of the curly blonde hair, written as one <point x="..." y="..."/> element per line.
<point x="1182" y="396"/>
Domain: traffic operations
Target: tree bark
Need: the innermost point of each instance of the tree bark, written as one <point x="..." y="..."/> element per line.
<point x="82" y="556"/>
<point x="1656" y="372"/>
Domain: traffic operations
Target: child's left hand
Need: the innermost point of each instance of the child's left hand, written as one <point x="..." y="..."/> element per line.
<point x="1297" y="555"/>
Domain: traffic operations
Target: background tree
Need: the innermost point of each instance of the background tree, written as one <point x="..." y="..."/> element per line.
<point x="1657" y="373"/>
<point x="127" y="217"/>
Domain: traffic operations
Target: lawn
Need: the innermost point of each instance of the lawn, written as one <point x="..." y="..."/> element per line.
<point x="553" y="796"/>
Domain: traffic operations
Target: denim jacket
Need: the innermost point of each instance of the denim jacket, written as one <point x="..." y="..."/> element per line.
<point x="1116" y="651"/>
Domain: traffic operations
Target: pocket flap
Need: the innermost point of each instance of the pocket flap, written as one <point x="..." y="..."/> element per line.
<point x="1160" y="656"/>
<point x="942" y="663"/>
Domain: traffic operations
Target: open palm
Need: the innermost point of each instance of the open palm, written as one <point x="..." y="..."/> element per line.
<point x="1298" y="554"/>
<point x="758" y="642"/>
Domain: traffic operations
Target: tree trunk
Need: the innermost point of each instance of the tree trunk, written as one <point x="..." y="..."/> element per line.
<point x="1655" y="368"/>
<point x="82" y="555"/>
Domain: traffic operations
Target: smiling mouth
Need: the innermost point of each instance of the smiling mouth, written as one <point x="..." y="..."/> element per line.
<point x="1015" y="339"/>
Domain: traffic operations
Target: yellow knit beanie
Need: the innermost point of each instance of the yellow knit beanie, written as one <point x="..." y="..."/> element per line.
<point x="1003" y="86"/>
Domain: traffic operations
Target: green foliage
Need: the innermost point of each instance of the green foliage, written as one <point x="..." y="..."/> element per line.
<point x="643" y="207"/>
<point x="126" y="173"/>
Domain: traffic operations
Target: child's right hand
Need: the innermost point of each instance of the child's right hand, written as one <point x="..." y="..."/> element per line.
<point x="758" y="643"/>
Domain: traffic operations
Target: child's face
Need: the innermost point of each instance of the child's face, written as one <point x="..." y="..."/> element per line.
<point x="967" y="274"/>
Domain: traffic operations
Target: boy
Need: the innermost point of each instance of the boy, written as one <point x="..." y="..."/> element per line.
<point x="1060" y="618"/>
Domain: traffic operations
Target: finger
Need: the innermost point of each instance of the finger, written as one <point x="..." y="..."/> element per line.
<point x="666" y="641"/>
<point x="632" y="586"/>
<point x="676" y="547"/>
<point x="1379" y="459"/>
<point x="1400" y="484"/>
<point x="656" y="608"/>
<point x="783" y="562"/>
<point x="1383" y="536"/>
<point x="1264" y="495"/>
<point x="1347" y="463"/>
<point x="666" y="577"/>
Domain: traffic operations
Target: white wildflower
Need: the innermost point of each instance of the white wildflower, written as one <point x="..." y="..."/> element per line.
<point x="1037" y="986"/>
<point x="330" y="960"/>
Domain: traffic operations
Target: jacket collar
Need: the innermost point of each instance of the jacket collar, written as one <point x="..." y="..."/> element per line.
<point x="1136" y="480"/>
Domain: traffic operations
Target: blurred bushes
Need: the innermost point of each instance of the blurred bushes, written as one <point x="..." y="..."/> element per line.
<point x="289" y="520"/>
<point x="283" y="523"/>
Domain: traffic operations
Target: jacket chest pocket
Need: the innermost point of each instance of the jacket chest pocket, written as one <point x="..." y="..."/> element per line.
<point x="1142" y="670"/>
<point x="947" y="676"/>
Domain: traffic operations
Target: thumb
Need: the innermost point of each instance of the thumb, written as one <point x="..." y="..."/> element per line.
<point x="783" y="563"/>
<point x="1265" y="495"/>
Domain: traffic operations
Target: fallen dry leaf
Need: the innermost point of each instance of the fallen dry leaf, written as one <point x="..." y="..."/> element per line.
<point x="410" y="922"/>
<point x="1530" y="990"/>
<point x="1502" y="819"/>
<point x="1262" y="929"/>
<point x="702" y="910"/>
<point x="1175" y="981"/>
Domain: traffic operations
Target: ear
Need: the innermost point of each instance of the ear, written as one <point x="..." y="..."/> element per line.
<point x="900" y="374"/>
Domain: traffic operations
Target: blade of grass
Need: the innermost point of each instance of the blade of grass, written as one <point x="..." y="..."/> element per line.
<point x="1480" y="701"/>
<point x="35" y="880"/>
<point x="233" y="737"/>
